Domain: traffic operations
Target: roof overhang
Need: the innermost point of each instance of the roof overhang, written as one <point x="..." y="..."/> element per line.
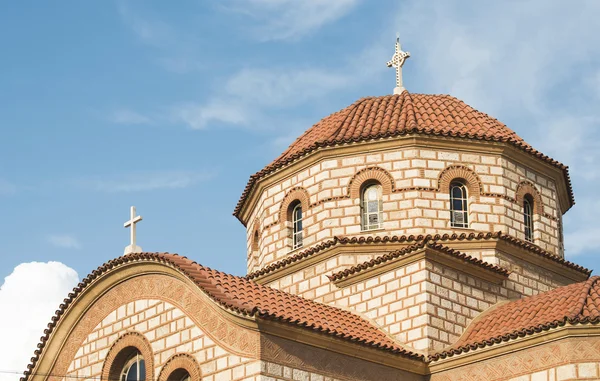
<point x="270" y="176"/>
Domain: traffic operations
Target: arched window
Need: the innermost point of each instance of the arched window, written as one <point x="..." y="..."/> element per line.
<point x="255" y="239"/>
<point x="179" y="375"/>
<point x="296" y="225"/>
<point x="134" y="369"/>
<point x="528" y="217"/>
<point x="459" y="211"/>
<point x="372" y="207"/>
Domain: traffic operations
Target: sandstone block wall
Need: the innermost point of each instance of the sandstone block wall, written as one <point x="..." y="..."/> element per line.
<point x="563" y="360"/>
<point x="169" y="332"/>
<point x="414" y="205"/>
<point x="424" y="304"/>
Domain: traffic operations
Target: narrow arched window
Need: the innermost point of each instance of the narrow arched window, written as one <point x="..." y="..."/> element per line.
<point x="134" y="369"/>
<point x="372" y="207"/>
<point x="528" y="217"/>
<point x="297" y="226"/>
<point x="459" y="211"/>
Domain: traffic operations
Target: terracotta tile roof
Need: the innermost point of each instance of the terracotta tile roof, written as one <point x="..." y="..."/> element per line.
<point x="363" y="240"/>
<point x="246" y="297"/>
<point x="578" y="303"/>
<point x="396" y="115"/>
<point x="385" y="258"/>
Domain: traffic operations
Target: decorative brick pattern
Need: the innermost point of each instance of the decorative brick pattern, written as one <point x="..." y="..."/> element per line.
<point x="568" y="359"/>
<point x="288" y="360"/>
<point x="116" y="358"/>
<point x="167" y="338"/>
<point x="378" y="118"/>
<point x="460" y="172"/>
<point x="368" y="174"/>
<point x="418" y="201"/>
<point x="296" y="194"/>
<point x="527" y="187"/>
<point x="134" y="305"/>
<point x="181" y="361"/>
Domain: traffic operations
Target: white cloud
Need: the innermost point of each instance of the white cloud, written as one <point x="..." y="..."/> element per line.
<point x="144" y="181"/>
<point x="64" y="241"/>
<point x="246" y="96"/>
<point x="291" y="19"/>
<point x="149" y="30"/>
<point x="28" y="299"/>
<point x="129" y="117"/>
<point x="530" y="62"/>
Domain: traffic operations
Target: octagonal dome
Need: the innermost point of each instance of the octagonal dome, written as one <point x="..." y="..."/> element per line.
<point x="391" y="116"/>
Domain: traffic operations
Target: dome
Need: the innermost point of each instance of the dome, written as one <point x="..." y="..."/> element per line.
<point x="394" y="115"/>
<point x="391" y="116"/>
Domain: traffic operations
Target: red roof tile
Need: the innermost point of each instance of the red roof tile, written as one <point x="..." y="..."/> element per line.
<point x="246" y="297"/>
<point x="362" y="240"/>
<point x="578" y="303"/>
<point x="385" y="258"/>
<point x="395" y="115"/>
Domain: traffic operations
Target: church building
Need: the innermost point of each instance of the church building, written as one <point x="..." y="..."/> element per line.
<point x="404" y="237"/>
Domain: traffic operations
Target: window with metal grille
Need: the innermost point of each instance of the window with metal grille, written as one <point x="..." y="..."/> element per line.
<point x="528" y="217"/>
<point x="372" y="207"/>
<point x="459" y="211"/>
<point x="297" y="226"/>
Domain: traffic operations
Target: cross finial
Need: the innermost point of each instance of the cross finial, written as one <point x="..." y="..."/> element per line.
<point x="397" y="62"/>
<point x="133" y="248"/>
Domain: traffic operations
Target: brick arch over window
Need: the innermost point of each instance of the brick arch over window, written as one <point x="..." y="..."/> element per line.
<point x="121" y="352"/>
<point x="459" y="172"/>
<point x="367" y="174"/>
<point x="524" y="188"/>
<point x="181" y="361"/>
<point x="295" y="194"/>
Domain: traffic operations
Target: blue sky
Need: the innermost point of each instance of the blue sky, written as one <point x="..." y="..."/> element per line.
<point x="171" y="106"/>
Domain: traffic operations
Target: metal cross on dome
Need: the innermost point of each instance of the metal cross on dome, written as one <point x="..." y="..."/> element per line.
<point x="397" y="62"/>
<point x="132" y="248"/>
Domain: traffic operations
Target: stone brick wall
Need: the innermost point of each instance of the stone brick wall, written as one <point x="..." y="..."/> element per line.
<point x="413" y="204"/>
<point x="569" y="359"/>
<point x="424" y="304"/>
<point x="170" y="332"/>
<point x="287" y="360"/>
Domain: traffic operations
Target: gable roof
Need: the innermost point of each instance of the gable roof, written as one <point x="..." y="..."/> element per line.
<point x="385" y="258"/>
<point x="396" y="115"/>
<point x="577" y="303"/>
<point x="243" y="296"/>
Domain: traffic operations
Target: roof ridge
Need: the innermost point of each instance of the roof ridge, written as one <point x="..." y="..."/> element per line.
<point x="583" y="301"/>
<point x="429" y="242"/>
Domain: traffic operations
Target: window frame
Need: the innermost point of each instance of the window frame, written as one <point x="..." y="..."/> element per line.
<point x="364" y="207"/>
<point x="140" y="363"/>
<point x="464" y="202"/>
<point x="297" y="228"/>
<point x="528" y="225"/>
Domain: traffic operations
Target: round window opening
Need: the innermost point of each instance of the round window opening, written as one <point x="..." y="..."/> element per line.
<point x="134" y="369"/>
<point x="179" y="375"/>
